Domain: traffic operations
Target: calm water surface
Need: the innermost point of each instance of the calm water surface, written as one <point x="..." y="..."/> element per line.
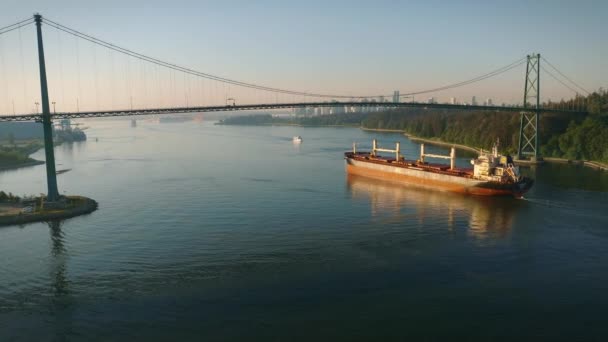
<point x="233" y="233"/>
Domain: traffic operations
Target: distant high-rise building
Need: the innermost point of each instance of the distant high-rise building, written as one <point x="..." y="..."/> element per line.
<point x="452" y="100"/>
<point x="324" y="110"/>
<point x="473" y="101"/>
<point x="488" y="102"/>
<point x="431" y="100"/>
<point x="338" y="108"/>
<point x="396" y="96"/>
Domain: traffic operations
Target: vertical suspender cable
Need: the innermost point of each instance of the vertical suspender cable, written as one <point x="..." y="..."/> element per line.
<point x="111" y="80"/>
<point x="61" y="78"/>
<point x="79" y="96"/>
<point x="128" y="82"/>
<point x="96" y="77"/>
<point x="23" y="78"/>
<point x="144" y="85"/>
<point x="4" y="77"/>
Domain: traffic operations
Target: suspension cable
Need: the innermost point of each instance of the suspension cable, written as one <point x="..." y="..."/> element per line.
<point x="149" y="59"/>
<point x="557" y="79"/>
<point x="473" y="80"/>
<point x="174" y="66"/>
<point x="16" y="25"/>
<point x="255" y="86"/>
<point x="566" y="77"/>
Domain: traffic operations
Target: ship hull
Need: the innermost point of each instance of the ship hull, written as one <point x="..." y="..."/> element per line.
<point x="436" y="181"/>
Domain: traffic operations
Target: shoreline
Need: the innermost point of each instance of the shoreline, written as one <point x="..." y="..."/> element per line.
<point x="424" y="140"/>
<point x="382" y="130"/>
<point x="32" y="162"/>
<point x="442" y="143"/>
<point x="35" y="162"/>
<point x="81" y="206"/>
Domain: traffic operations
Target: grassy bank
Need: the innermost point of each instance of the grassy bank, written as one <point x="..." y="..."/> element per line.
<point x="17" y="155"/>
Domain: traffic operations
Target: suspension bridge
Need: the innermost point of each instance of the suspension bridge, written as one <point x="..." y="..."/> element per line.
<point x="530" y="108"/>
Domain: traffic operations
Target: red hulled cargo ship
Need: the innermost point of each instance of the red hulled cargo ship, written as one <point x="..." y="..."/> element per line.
<point x="491" y="175"/>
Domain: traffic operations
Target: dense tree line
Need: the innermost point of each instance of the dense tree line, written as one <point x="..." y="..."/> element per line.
<point x="595" y="103"/>
<point x="586" y="140"/>
<point x="475" y="129"/>
<point x="9" y="198"/>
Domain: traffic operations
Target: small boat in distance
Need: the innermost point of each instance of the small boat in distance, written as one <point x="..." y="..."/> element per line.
<point x="492" y="174"/>
<point x="297" y="139"/>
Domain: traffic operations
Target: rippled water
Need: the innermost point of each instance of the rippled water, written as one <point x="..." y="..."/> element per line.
<point x="221" y="232"/>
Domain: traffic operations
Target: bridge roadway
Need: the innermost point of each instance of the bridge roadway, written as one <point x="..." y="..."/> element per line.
<point x="200" y="109"/>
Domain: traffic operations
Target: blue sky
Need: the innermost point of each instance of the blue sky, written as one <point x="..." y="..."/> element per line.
<point x="344" y="47"/>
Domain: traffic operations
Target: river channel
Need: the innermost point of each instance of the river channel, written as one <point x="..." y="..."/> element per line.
<point x="209" y="232"/>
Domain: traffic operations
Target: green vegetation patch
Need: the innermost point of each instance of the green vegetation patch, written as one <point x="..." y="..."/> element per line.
<point x="12" y="155"/>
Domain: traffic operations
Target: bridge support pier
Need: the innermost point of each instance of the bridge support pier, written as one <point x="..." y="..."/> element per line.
<point x="47" y="124"/>
<point x="528" y="136"/>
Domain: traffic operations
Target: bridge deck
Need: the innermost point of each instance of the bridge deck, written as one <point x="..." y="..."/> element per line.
<point x="271" y="106"/>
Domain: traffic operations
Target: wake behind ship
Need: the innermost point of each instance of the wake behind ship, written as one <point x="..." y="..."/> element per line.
<point x="492" y="174"/>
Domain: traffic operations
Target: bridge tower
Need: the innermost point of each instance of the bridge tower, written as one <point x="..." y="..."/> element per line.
<point x="47" y="124"/>
<point x="528" y="129"/>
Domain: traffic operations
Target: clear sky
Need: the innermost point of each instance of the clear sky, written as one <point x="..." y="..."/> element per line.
<point x="344" y="47"/>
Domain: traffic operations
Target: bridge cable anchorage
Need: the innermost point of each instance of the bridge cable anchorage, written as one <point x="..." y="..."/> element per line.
<point x="566" y="77"/>
<point x="255" y="86"/>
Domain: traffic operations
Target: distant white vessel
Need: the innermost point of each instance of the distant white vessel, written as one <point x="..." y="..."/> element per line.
<point x="297" y="139"/>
